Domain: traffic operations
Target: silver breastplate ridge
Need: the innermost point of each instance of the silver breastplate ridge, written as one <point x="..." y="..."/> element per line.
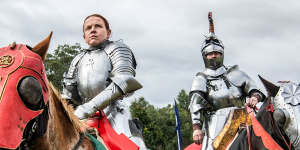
<point x="222" y="94"/>
<point x="93" y="72"/>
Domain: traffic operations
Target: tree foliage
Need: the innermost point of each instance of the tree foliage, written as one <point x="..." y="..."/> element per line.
<point x="59" y="61"/>
<point x="159" y="123"/>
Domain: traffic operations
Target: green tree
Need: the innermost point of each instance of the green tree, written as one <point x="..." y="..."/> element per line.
<point x="59" y="61"/>
<point x="159" y="123"/>
<point x="185" y="118"/>
<point x="183" y="100"/>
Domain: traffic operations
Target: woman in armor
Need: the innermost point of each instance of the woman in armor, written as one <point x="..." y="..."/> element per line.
<point x="101" y="76"/>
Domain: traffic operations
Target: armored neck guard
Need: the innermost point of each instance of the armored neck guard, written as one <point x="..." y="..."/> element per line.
<point x="101" y="46"/>
<point x="214" y="73"/>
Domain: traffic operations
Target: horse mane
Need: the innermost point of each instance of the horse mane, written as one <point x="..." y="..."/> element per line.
<point x="55" y="96"/>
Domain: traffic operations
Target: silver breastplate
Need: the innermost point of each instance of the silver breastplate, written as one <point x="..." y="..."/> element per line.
<point x="223" y="95"/>
<point x="93" y="72"/>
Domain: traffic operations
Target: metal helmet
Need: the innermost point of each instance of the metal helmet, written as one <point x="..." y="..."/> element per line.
<point x="212" y="44"/>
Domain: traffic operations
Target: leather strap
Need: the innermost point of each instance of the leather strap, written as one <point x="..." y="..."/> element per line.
<point x="248" y="134"/>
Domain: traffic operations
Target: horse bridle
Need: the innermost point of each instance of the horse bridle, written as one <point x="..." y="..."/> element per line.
<point x="32" y="133"/>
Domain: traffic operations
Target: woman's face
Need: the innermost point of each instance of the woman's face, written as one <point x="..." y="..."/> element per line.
<point x="95" y="31"/>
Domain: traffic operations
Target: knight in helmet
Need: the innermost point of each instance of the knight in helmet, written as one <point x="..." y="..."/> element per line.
<point x="101" y="76"/>
<point x="217" y="90"/>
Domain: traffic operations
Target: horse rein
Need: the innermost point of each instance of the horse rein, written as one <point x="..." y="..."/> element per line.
<point x="249" y="111"/>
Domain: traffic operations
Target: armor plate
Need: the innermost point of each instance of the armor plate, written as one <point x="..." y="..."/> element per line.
<point x="23" y="63"/>
<point x="214" y="126"/>
<point x="221" y="95"/>
<point x="224" y="86"/>
<point x="93" y="72"/>
<point x="103" y="76"/>
<point x="197" y="103"/>
<point x="288" y="100"/>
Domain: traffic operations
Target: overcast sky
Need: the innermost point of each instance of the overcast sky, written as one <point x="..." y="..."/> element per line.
<point x="261" y="36"/>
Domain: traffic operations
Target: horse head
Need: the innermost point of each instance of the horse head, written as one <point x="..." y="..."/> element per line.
<point x="285" y="99"/>
<point x="31" y="90"/>
<point x="33" y="114"/>
<point x="23" y="88"/>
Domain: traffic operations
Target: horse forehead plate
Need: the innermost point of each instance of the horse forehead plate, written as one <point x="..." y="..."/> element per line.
<point x="6" y="61"/>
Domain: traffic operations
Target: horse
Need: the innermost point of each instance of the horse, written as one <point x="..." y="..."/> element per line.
<point x="32" y="113"/>
<point x="279" y="116"/>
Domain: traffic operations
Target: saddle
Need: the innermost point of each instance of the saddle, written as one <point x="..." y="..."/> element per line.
<point x="236" y="119"/>
<point x="110" y="137"/>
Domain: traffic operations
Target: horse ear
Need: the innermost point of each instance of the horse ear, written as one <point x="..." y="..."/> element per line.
<point x="42" y="47"/>
<point x="271" y="88"/>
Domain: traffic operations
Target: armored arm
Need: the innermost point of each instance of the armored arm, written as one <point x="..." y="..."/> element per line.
<point x="124" y="64"/>
<point x="198" y="103"/>
<point x="122" y="77"/>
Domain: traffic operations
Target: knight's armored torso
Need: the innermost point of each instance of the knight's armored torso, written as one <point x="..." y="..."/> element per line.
<point x="224" y="87"/>
<point x="88" y="74"/>
<point x="223" y="95"/>
<point x="98" y="78"/>
<point x="93" y="71"/>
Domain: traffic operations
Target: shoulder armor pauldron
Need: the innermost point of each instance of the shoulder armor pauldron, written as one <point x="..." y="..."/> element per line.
<point x="239" y="79"/>
<point x="112" y="48"/>
<point x="235" y="76"/>
<point x="123" y="66"/>
<point x="199" y="82"/>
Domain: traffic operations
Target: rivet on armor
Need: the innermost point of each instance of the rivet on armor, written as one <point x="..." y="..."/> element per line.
<point x="12" y="45"/>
